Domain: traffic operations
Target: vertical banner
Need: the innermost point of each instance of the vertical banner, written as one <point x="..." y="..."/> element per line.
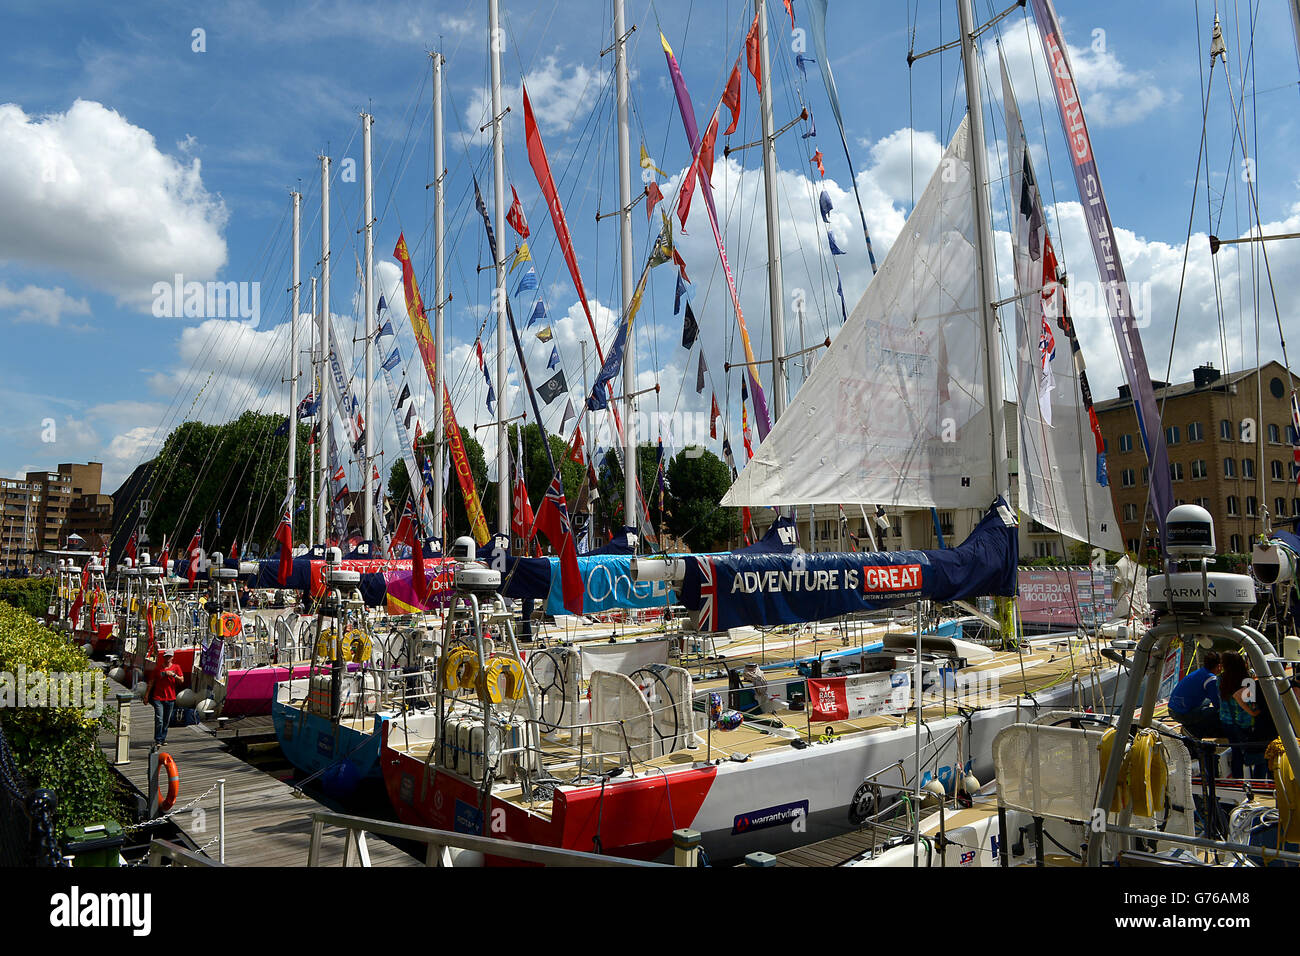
<point x="1106" y="251"/>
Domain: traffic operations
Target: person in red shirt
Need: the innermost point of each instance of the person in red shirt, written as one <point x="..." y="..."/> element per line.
<point x="161" y="693"/>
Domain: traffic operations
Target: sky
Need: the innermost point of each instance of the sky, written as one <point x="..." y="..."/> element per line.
<point x="144" y="141"/>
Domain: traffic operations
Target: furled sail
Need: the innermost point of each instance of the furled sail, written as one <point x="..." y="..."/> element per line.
<point x="895" y="411"/>
<point x="1063" y="481"/>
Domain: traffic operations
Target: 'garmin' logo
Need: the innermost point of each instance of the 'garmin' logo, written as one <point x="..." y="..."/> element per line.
<point x="76" y="910"/>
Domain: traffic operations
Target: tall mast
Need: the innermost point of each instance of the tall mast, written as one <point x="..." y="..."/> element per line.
<point x="368" y="427"/>
<point x="625" y="254"/>
<point x="496" y="40"/>
<point x="315" y="367"/>
<point x="775" y="291"/>
<point x="439" y="290"/>
<point x="324" y="339"/>
<point x="986" y="274"/>
<point x="293" y="355"/>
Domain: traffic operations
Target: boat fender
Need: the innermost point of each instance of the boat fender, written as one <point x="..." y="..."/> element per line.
<point x="168" y="800"/>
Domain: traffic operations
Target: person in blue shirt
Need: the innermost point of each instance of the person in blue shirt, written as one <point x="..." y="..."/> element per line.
<point x="1195" y="701"/>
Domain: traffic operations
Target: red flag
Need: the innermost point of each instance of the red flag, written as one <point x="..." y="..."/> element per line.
<point x="234" y="550"/>
<point x="130" y="546"/>
<point x="521" y="521"/>
<point x="752" y="54"/>
<point x="284" y="534"/>
<point x="553" y="521"/>
<point x="163" y="559"/>
<point x="697" y="168"/>
<point x="339" y="473"/>
<point x="731" y="98"/>
<point x="714" y="414"/>
<point x="817" y="158"/>
<point x="478" y="348"/>
<point x="75" y="612"/>
<point x="790" y="10"/>
<point x="653" y="197"/>
<point x="681" y="264"/>
<point x="575" y="446"/>
<point x="195" y="551"/>
<point x="403" y="531"/>
<point x="412" y="537"/>
<point x="746" y="523"/>
<point x="516" y="215"/>
<point x="148" y="627"/>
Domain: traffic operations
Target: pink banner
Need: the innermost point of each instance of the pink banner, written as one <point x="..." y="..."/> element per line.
<point x="1065" y="597"/>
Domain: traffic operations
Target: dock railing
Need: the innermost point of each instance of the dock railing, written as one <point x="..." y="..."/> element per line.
<point x="439" y="844"/>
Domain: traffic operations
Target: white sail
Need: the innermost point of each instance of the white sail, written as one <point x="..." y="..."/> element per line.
<point x="1058" y="480"/>
<point x="895" y="412"/>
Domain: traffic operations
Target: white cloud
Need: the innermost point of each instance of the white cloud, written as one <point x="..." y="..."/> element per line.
<point x="87" y="193"/>
<point x="559" y="97"/>
<point x="45" y="306"/>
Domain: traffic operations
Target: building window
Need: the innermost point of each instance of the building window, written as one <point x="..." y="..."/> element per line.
<point x="1204" y="503"/>
<point x="1275" y="467"/>
<point x="1274" y="434"/>
<point x="1125" y="442"/>
<point x="1195" y="432"/>
<point x="1126" y="478"/>
<point x="1171" y="434"/>
<point x="1235" y="544"/>
<point x="1044" y="549"/>
<point x="1290" y="434"/>
<point x="1198" y="468"/>
<point x="1131" y="545"/>
<point x="1225" y="430"/>
<point x="1130" y="512"/>
<point x="1146" y="475"/>
<point x="1279" y="506"/>
<point x="945" y="522"/>
<point x="1229" y="468"/>
<point x="1232" y="505"/>
<point x="1248" y="467"/>
<point x="1176" y="471"/>
<point x="1251" y="506"/>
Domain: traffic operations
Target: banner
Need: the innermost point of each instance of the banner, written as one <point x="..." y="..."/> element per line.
<point x="1065" y="597"/>
<point x="400" y="597"/>
<point x="860" y="695"/>
<point x="762" y="590"/>
<point x="607" y="585"/>
<point x="1105" y="250"/>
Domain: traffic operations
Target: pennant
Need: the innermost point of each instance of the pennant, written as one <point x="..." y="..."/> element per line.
<point x="394" y="360"/>
<point x="727" y="456"/>
<point x="802" y="62"/>
<point x="516" y="215"/>
<point x="554" y="360"/>
<point x="521" y="518"/>
<point x="690" y="328"/>
<point x="835" y="247"/>
<point x="683" y="289"/>
<point x="478" y="349"/>
<point x="714" y="414"/>
<point x="553" y="387"/>
<point x="701" y="166"/>
<point x="817" y="158"/>
<point x="491" y="397"/>
<point x="406" y="393"/>
<point x="844" y="311"/>
<point x="569" y="414"/>
<point x="163" y="559"/>
<point x="195" y="552"/>
<point x="410" y="413"/>
<point x="663" y="250"/>
<point x="653" y="197"/>
<point x="521" y="255"/>
<point x="234" y="551"/>
<point x="825" y="203"/>
<point x="539" y="312"/>
<point x="812" y="127"/>
<point x="553" y="521"/>
<point x="339" y="473"/>
<point x="681" y="267"/>
<point x="731" y="98"/>
<point x="789" y="8"/>
<point x="527" y="282"/>
<point x="387" y="327"/>
<point x="576" y="446"/>
<point x="647" y="163"/>
<point x="284" y="535"/>
<point x="545" y="334"/>
<point x="699" y="375"/>
<point x="131" y="545"/>
<point x="754" y="55"/>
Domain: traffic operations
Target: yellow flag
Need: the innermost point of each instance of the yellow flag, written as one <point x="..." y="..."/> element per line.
<point x="647" y="163"/>
<point x="521" y="255"/>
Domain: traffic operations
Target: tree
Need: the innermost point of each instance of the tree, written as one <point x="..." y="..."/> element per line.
<point x="399" y="485"/>
<point x="608" y="510"/>
<point x="697" y="480"/>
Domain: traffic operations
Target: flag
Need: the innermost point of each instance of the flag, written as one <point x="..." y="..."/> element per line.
<point x="663" y="250"/>
<point x="545" y="334"/>
<point x="683" y="290"/>
<point x="690" y="328"/>
<point x="527" y="281"/>
<point x="714" y="414"/>
<point x="521" y="519"/>
<point x="406" y="393"/>
<point x="647" y="163"/>
<point x="817" y="158"/>
<point x="360" y="442"/>
<point x="553" y="521"/>
<point x="307" y="407"/>
<point x="701" y="168"/>
<point x="410" y="413"/>
<point x="1295" y="436"/>
<point x="131" y="545"/>
<point x="681" y="266"/>
<point x="284" y="534"/>
<point x="727" y="455"/>
<point x="569" y="413"/>
<point x="403" y="531"/>
<point x="731" y="98"/>
<point x="315" y="434"/>
<point x="234" y="551"/>
<point x="575" y="446"/>
<point x="195" y="551"/>
<point x="339" y="473"/>
<point x="539" y="312"/>
<point x="754" y="56"/>
<point x="392" y="361"/>
<point x="825" y="203"/>
<point x="522" y="254"/>
<point x="282" y="428"/>
<point x="653" y="197"/>
<point x="553" y="387"/>
<point x="387" y="327"/>
<point x="812" y="127"/>
<point x="343" y="493"/>
<point x="516" y="215"/>
<point x="802" y="62"/>
<point x="554" y="360"/>
<point x="699" y="375"/>
<point x="412" y="538"/>
<point x="163" y="559"/>
<point x="835" y="248"/>
<point x="789" y="8"/>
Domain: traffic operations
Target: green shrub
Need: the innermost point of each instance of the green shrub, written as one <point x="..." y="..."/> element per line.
<point x="30" y="594"/>
<point x="55" y="747"/>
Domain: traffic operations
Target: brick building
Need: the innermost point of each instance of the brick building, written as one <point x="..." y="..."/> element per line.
<point x="40" y="510"/>
<point x="1223" y="453"/>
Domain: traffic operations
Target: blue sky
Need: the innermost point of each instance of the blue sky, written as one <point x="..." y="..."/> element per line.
<point x="127" y="156"/>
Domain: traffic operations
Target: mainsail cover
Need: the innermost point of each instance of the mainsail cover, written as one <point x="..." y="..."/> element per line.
<point x="895" y="411"/>
<point x="1059" y="485"/>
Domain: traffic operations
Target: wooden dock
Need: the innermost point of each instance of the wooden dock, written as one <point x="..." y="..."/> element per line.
<point x="830" y="852"/>
<point x="268" y="823"/>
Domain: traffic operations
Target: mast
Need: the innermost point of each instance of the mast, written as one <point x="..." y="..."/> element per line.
<point x="311" y="503"/>
<point x="368" y="427"/>
<point x="324" y="339"/>
<point x="439" y="290"/>
<point x="496" y="39"/>
<point x="293" y="354"/>
<point x="627" y="270"/>
<point x="986" y="274"/>
<point x="775" y="291"/>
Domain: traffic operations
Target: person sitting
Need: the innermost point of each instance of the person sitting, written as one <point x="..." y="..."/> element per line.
<point x="1238" y="711"/>
<point x="1194" y="703"/>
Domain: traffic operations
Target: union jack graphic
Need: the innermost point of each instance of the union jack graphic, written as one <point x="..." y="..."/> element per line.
<point x="708" y="594"/>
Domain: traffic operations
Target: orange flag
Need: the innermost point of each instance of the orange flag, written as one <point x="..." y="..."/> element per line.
<point x="752" y="54"/>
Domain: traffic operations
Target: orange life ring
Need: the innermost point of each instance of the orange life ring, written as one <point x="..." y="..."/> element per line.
<point x="165" y="803"/>
<point x="231" y="624"/>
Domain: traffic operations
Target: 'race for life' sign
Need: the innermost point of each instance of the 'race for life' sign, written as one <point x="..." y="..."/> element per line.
<point x="861" y="695"/>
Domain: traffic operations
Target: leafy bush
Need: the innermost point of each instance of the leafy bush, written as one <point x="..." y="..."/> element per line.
<point x="55" y="747"/>
<point x="30" y="594"/>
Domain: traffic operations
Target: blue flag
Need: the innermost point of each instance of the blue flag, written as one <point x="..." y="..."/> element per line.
<point x="802" y="62"/>
<point x="684" y="290"/>
<point x="386" y="328"/>
<point x="554" y="360"/>
<point x="539" y="312"/>
<point x="825" y="203"/>
<point x="392" y="361"/>
<point x="527" y="282"/>
<point x="283" y="429"/>
<point x="835" y="249"/>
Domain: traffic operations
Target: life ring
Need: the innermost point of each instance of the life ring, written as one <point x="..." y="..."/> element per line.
<point x="502" y="679"/>
<point x="1122" y="797"/>
<point x="357" y="646"/>
<point x="231" y="624"/>
<point x="325" y="645"/>
<point x="166" y="802"/>
<point x="459" y="669"/>
<point x="1148" y="773"/>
